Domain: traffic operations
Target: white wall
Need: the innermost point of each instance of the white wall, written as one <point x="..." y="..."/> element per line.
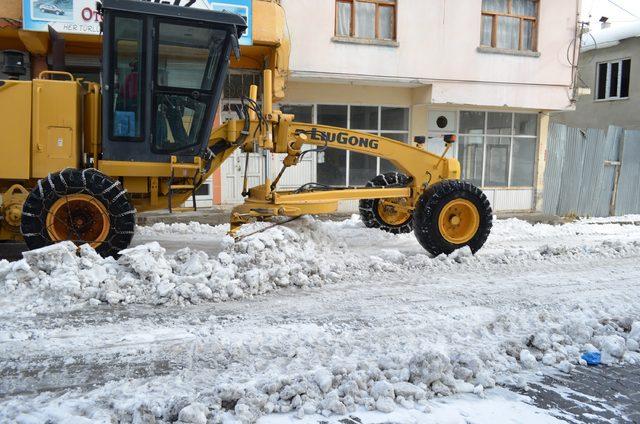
<point x="437" y="45"/>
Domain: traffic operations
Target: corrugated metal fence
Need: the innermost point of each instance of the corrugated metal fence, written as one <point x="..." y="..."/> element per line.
<point x="592" y="172"/>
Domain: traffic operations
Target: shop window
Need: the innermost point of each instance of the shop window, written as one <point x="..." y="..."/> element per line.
<point x="368" y="19"/>
<point x="363" y="167"/>
<point x="510" y="24"/>
<point x="470" y="155"/>
<point x="390" y="122"/>
<point x="127" y="96"/>
<point x="238" y="83"/>
<point x="385" y="165"/>
<point x="236" y="86"/>
<point x="364" y="118"/>
<point x="613" y="80"/>
<point x="496" y="165"/>
<point x="523" y="162"/>
<point x="332" y="163"/>
<point x="303" y="113"/>
<point x="497" y="149"/>
<point x="394" y="119"/>
<point x="499" y="123"/>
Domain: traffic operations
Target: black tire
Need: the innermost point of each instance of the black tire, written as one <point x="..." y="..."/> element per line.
<point x="90" y="182"/>
<point x="369" y="207"/>
<point x="430" y="206"/>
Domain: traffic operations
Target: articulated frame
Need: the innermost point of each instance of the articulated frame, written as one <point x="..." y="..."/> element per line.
<point x="276" y="132"/>
<point x="264" y="201"/>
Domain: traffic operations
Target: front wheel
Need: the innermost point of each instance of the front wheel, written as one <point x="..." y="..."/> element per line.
<point x="452" y="214"/>
<point x="83" y="206"/>
<point x="390" y="215"/>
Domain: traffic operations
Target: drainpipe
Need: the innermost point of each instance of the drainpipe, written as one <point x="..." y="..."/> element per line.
<point x="577" y="43"/>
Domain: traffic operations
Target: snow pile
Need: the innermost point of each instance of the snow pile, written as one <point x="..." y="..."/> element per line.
<point x="309" y="253"/>
<point x="396" y="329"/>
<point x="342" y="385"/>
<point x="55" y="276"/>
<point x="192" y="228"/>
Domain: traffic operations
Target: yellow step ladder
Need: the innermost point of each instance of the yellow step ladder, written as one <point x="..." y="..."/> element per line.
<point x="195" y="167"/>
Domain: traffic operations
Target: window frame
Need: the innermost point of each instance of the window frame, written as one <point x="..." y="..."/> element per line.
<point x="607" y="97"/>
<point x="522" y="18"/>
<point x="204" y="94"/>
<point x="142" y="66"/>
<point x="512" y="136"/>
<point x="352" y="26"/>
<point x="377" y="132"/>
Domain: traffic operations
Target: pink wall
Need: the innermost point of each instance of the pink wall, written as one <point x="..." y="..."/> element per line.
<point x="438" y="42"/>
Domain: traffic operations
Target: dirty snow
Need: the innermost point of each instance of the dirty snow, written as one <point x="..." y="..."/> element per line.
<point x="315" y="317"/>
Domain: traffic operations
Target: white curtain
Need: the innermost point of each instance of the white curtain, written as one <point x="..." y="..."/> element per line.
<point x="527" y="34"/>
<point x="524" y="7"/>
<point x="344" y="19"/>
<point x="508" y="32"/>
<point x="386" y="23"/>
<point x="365" y="20"/>
<point x="495" y="6"/>
<point x="487" y="27"/>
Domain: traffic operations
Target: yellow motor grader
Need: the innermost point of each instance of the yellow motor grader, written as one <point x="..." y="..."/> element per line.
<point x="80" y="159"/>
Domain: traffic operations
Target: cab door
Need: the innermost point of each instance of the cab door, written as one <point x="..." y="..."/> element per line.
<point x="186" y="60"/>
<point x="163" y="68"/>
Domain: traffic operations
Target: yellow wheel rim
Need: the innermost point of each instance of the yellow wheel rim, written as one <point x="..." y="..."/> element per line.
<point x="393" y="211"/>
<point x="459" y="221"/>
<point x="80" y="218"/>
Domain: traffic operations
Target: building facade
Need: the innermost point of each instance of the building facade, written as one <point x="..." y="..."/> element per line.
<point x="606" y="69"/>
<point x="489" y="71"/>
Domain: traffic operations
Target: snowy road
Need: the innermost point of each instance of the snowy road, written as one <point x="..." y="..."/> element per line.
<point x="321" y="317"/>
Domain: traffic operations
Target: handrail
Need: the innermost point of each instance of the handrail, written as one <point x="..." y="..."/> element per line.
<point x="66" y="74"/>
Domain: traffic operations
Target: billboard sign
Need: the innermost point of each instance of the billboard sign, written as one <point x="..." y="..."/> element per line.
<point x="81" y="17"/>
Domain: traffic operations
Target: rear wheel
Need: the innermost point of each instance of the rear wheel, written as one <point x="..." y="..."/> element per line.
<point x="83" y="206"/>
<point x="391" y="215"/>
<point x="452" y="214"/>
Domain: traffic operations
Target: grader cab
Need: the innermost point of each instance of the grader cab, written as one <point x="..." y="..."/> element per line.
<point x="81" y="159"/>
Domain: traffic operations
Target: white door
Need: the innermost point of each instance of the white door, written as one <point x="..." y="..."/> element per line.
<point x="305" y="171"/>
<point x="232" y="170"/>
<point x="295" y="176"/>
<point x="233" y="175"/>
<point x="204" y="196"/>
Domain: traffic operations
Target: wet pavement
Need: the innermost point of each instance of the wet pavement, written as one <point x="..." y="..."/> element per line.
<point x="591" y="394"/>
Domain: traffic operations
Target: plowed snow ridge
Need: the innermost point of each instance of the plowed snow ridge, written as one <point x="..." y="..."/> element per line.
<point x="384" y="325"/>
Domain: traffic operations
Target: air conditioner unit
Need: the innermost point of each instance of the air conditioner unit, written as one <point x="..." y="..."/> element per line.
<point x="443" y="121"/>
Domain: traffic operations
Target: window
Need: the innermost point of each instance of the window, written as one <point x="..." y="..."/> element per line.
<point x="187" y="64"/>
<point x="510" y="24"/>
<point x="339" y="167"/>
<point x="497" y="149"/>
<point x="183" y="56"/>
<point x="370" y="19"/>
<point x="236" y="86"/>
<point x="332" y="163"/>
<point x="303" y="113"/>
<point x="612" y="79"/>
<point x="127" y="95"/>
<point x="238" y="83"/>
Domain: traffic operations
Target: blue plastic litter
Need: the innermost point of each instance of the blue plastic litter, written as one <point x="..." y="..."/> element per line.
<point x="592" y="358"/>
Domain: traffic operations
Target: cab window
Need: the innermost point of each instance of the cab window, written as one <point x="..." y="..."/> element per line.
<point x="127" y="94"/>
